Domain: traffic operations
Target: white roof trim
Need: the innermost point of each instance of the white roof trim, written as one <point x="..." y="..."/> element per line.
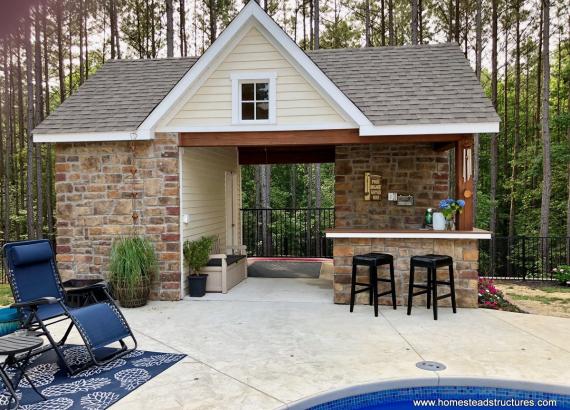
<point x="261" y="127"/>
<point x="253" y="11"/>
<point x="430" y="129"/>
<point x="139" y="135"/>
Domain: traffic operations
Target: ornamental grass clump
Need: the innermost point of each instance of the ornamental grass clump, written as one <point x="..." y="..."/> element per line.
<point x="133" y="264"/>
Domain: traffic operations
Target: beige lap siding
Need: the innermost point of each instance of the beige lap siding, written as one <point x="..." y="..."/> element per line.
<point x="94" y="206"/>
<point x="203" y="192"/>
<point x="297" y="101"/>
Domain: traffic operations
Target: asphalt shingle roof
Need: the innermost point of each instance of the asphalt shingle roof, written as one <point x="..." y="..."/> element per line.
<point x="428" y="84"/>
<point x="118" y="97"/>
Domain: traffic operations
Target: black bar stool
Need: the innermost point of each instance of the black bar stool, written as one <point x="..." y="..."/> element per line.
<point x="372" y="260"/>
<point x="431" y="262"/>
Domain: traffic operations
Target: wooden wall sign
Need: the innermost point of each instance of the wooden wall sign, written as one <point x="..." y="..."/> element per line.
<point x="372" y="187"/>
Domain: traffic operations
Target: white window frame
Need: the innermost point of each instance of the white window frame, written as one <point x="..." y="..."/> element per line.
<point x="237" y="80"/>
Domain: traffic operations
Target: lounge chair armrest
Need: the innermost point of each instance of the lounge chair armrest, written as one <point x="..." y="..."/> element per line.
<point x="48" y="300"/>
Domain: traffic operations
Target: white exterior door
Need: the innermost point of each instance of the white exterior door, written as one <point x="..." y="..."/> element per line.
<point x="232" y="209"/>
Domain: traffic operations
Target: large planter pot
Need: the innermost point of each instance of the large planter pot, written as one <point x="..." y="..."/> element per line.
<point x="197" y="285"/>
<point x="132" y="297"/>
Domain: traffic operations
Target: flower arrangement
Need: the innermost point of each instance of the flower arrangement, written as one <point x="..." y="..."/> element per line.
<point x="449" y="207"/>
<point x="489" y="296"/>
<point x="562" y="274"/>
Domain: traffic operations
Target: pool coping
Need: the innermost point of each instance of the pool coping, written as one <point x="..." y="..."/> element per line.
<point x="336" y="394"/>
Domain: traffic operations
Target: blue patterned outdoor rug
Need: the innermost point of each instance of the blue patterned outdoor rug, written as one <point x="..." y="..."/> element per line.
<point x="94" y="388"/>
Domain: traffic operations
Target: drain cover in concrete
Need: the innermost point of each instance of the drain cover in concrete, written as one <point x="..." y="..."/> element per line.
<point x="431" y="366"/>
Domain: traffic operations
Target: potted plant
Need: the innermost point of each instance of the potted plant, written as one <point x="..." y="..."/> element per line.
<point x="449" y="208"/>
<point x="133" y="263"/>
<point x="196" y="256"/>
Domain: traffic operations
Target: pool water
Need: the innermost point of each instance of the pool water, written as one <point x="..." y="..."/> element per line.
<point x="449" y="397"/>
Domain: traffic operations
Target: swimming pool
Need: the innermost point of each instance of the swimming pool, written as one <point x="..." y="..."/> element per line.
<point x="447" y="393"/>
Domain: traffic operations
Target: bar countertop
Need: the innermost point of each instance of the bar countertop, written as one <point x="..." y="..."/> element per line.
<point x="406" y="234"/>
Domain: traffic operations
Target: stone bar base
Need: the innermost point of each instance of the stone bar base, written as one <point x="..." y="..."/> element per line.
<point x="465" y="253"/>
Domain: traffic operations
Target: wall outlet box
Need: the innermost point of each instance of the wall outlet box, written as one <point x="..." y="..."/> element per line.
<point x="186" y="218"/>
<point x="392" y="196"/>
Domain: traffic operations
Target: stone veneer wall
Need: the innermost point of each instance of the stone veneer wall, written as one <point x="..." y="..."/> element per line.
<point x="94" y="205"/>
<point x="405" y="168"/>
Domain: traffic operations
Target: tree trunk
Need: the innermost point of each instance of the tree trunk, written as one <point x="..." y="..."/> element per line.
<point x="317" y="209"/>
<point x="46" y="63"/>
<point x="367" y="31"/>
<point x="5" y="159"/>
<point x="414" y="22"/>
<point x="38" y="118"/>
<point x="494" y="142"/>
<point x="21" y="128"/>
<point x="81" y="33"/>
<point x="382" y="23"/>
<point x="213" y="21"/>
<point x="568" y="137"/>
<point x="70" y="53"/>
<point x="86" y="39"/>
<point x="183" y="38"/>
<point x="539" y="75"/>
<point x="421" y="21"/>
<point x="169" y="29"/>
<point x="546" y="166"/>
<point x="60" y="67"/>
<point x="153" y="29"/>
<point x="391" y="37"/>
<point x="457" y="25"/>
<point x="476" y="142"/>
<point x="30" y="126"/>
<point x="505" y="160"/>
<point x="316" y="30"/>
<point x="293" y="186"/>
<point x="512" y="206"/>
<point x="311" y="24"/>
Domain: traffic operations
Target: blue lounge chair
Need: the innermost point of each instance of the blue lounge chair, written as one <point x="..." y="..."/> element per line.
<point x="38" y="293"/>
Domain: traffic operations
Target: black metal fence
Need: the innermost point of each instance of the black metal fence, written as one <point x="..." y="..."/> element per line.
<point x="523" y="257"/>
<point x="283" y="232"/>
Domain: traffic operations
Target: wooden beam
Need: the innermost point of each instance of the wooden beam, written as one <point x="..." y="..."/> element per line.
<point x="286" y="155"/>
<point x="443" y="146"/>
<point x="292" y="138"/>
<point x="464" y="181"/>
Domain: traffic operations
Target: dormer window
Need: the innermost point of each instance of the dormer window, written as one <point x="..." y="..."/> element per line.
<point x="253" y="97"/>
<point x="254" y="100"/>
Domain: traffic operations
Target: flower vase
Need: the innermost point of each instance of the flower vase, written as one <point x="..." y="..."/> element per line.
<point x="450" y="224"/>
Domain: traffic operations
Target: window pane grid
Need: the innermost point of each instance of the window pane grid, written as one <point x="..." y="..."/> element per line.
<point x="254" y="100"/>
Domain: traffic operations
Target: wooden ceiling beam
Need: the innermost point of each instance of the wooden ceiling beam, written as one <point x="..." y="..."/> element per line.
<point x="286" y="155"/>
<point x="300" y="138"/>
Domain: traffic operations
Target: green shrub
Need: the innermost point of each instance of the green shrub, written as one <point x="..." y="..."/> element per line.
<point x="562" y="274"/>
<point x="133" y="262"/>
<point x="197" y="253"/>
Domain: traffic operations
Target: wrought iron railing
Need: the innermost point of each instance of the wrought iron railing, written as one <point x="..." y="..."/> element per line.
<point x="284" y="232"/>
<point x="523" y="257"/>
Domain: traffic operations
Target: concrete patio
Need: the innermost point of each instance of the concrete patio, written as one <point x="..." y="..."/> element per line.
<point x="257" y="354"/>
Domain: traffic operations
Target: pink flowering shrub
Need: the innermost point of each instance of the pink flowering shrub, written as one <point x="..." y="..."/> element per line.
<point x="489" y="296"/>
